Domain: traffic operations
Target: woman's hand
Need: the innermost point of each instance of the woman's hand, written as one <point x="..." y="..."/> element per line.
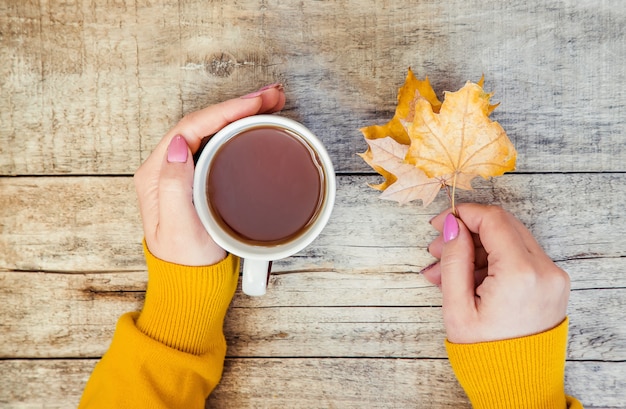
<point x="173" y="231"/>
<point x="497" y="282"/>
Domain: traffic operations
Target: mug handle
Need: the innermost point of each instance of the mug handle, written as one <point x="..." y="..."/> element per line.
<point x="256" y="274"/>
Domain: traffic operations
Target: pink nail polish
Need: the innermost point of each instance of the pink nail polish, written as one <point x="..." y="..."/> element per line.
<point x="178" y="151"/>
<point x="261" y="90"/>
<point x="450" y="228"/>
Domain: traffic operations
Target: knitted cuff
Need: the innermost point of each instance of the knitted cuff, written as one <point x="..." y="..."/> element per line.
<point x="185" y="306"/>
<point x="525" y="372"/>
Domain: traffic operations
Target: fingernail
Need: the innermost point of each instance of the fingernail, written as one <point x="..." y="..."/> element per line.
<point x="428" y="267"/>
<point x="261" y="90"/>
<point x="177" y="151"/>
<point x="277" y="85"/>
<point x="450" y="228"/>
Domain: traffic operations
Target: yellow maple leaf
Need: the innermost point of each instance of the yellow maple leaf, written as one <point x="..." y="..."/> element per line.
<point x="491" y="108"/>
<point x="460" y="139"/>
<point x="409" y="183"/>
<point x="428" y="145"/>
<point x="395" y="128"/>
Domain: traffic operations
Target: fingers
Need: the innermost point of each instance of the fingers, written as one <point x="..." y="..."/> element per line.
<point x="500" y="233"/>
<point x="194" y="127"/>
<point x="199" y="124"/>
<point x="175" y="189"/>
<point x="432" y="273"/>
<point x="457" y="270"/>
<point x="211" y="119"/>
<point x="273" y="99"/>
<point x="502" y="273"/>
<point x="178" y="220"/>
<point x="480" y="255"/>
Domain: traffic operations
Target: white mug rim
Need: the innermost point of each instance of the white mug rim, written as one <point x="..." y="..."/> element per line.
<point x="226" y="240"/>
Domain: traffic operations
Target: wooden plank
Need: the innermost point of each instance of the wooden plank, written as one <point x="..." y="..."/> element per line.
<point x="73" y="224"/>
<point x="342" y="383"/>
<point x="88" y="88"/>
<point x="91" y="224"/>
<point x="309" y="383"/>
<point x="406" y="332"/>
<point x="70" y="75"/>
<point x="402" y="319"/>
<point x="118" y="76"/>
<point x="43" y="383"/>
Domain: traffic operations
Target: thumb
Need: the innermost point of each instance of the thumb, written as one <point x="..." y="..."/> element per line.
<point x="176" y="211"/>
<point x="457" y="270"/>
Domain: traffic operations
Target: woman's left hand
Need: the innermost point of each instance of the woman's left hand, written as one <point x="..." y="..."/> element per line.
<point x="172" y="229"/>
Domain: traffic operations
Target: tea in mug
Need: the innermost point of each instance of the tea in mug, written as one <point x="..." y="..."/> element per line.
<point x="265" y="186"/>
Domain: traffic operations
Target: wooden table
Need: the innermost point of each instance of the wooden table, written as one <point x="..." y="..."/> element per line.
<point x="87" y="88"/>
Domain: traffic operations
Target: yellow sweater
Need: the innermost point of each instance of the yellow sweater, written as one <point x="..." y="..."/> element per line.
<point x="523" y="372"/>
<point x="171" y="355"/>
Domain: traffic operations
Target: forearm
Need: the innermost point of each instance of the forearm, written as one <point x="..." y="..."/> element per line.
<point x="172" y="353"/>
<point x="525" y="372"/>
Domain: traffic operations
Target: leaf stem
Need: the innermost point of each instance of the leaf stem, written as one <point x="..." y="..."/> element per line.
<point x="454" y="194"/>
<point x="445" y="185"/>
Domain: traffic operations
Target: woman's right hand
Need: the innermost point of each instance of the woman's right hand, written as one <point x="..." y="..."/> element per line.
<point x="496" y="280"/>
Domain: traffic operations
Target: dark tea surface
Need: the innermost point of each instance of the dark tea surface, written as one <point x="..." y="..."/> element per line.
<point x="264" y="185"/>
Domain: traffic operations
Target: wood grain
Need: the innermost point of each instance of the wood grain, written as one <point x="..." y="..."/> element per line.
<point x="120" y="75"/>
<point x="401" y="320"/>
<point x="309" y="383"/>
<point x="92" y="223"/>
<point x="87" y="89"/>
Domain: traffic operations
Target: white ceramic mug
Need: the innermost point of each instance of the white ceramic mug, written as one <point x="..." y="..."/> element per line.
<point x="257" y="258"/>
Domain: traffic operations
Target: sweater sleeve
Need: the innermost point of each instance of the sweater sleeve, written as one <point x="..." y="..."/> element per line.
<point x="525" y="372"/>
<point x="171" y="354"/>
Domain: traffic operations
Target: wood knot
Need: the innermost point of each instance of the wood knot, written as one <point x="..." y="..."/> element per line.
<point x="220" y="64"/>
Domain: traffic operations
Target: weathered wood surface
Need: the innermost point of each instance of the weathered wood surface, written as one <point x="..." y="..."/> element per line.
<point x="118" y="74"/>
<point x="308" y="383"/>
<point x="87" y="88"/>
<point x="92" y="223"/>
<point x="404" y="323"/>
<point x="373" y="305"/>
